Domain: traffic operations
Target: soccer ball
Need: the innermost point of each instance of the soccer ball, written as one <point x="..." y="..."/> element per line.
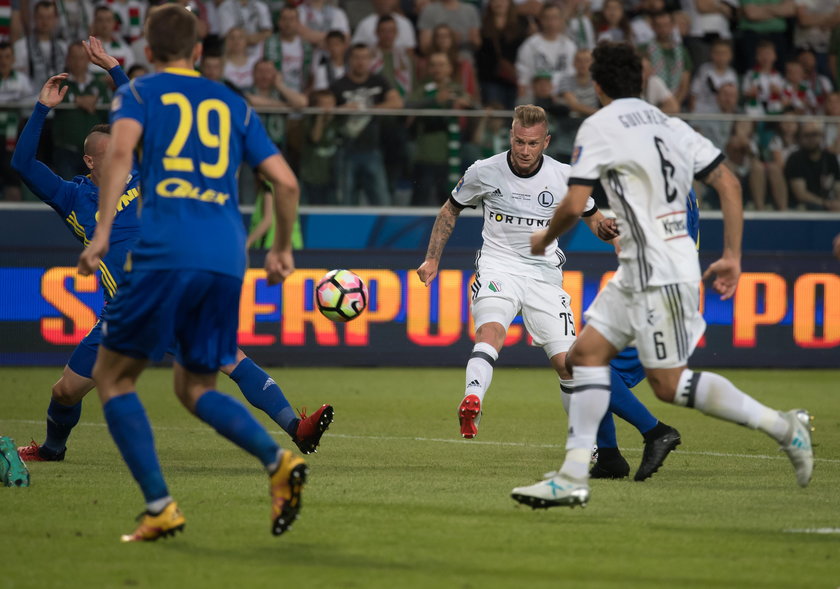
<point x="341" y="295"/>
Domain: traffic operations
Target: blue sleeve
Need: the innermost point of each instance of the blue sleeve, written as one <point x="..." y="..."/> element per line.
<point x="127" y="104"/>
<point x="46" y="185"/>
<point x="258" y="145"/>
<point x="118" y="75"/>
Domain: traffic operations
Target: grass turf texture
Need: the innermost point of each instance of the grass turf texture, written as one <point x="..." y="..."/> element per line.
<point x="396" y="499"/>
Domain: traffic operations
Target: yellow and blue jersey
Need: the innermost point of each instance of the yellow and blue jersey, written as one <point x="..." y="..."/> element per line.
<point x="77" y="201"/>
<point x="196" y="132"/>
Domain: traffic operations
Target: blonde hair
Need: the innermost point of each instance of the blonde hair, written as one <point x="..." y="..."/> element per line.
<point x="529" y="115"/>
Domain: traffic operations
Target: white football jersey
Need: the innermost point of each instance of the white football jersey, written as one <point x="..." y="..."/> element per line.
<point x="514" y="207"/>
<point x="646" y="162"/>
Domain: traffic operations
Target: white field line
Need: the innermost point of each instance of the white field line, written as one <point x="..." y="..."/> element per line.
<point x="813" y="531"/>
<point x="445" y="441"/>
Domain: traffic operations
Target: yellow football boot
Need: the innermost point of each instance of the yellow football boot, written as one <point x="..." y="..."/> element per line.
<point x="285" y="490"/>
<point x="152" y="527"/>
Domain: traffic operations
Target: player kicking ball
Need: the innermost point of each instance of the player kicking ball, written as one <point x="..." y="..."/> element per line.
<point x="645" y="160"/>
<point x="76" y="202"/>
<point x="519" y="190"/>
<point x="188" y="263"/>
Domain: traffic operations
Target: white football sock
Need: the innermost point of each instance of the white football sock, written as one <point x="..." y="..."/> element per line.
<point x="714" y="395"/>
<point x="588" y="405"/>
<point x="158" y="505"/>
<point x="566" y="388"/>
<point x="480" y="370"/>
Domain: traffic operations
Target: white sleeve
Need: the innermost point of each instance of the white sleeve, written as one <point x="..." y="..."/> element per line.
<point x="591" y="208"/>
<point x="469" y="191"/>
<point x="590" y="156"/>
<point x="340" y="22"/>
<point x="406" y="29"/>
<point x="227" y="20"/>
<point x="363" y="32"/>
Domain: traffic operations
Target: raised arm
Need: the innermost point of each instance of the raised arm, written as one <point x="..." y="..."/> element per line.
<point x="442" y="229"/>
<point x="98" y="56"/>
<point x="47" y="185"/>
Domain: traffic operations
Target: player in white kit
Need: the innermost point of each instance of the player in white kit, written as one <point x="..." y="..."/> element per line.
<point x="519" y="191"/>
<point x="646" y="162"/>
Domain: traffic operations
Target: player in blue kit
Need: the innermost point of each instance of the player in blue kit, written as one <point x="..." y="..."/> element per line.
<point x="76" y="202"/>
<point x="185" y="272"/>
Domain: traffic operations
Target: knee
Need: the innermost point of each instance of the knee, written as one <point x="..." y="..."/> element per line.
<point x="66" y="395"/>
<point x="491" y="333"/>
<point x="663" y="387"/>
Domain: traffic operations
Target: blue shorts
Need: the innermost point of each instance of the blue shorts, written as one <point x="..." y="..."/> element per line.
<point x="84" y="356"/>
<point x="195" y="309"/>
<point x="629" y="367"/>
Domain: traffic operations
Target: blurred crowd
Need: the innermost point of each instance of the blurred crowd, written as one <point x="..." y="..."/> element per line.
<point x="754" y="57"/>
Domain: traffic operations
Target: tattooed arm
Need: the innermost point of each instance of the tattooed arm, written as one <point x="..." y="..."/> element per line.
<point x="728" y="268"/>
<point x="444" y="224"/>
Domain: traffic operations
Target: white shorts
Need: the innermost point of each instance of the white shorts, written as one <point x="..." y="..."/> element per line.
<point x="546" y="308"/>
<point x="665" y="321"/>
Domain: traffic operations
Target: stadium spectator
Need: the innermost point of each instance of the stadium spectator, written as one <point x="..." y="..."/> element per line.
<point x="642" y="23"/>
<point x="656" y="92"/>
<point x="578" y="91"/>
<point x="443" y="40"/>
<point x="819" y="85"/>
<point x="319" y="17"/>
<point x="395" y="63"/>
<point x="502" y="32"/>
<point x="832" y="130"/>
<point x="363" y="169"/>
<point x="319" y="152"/>
<point x="462" y="18"/>
<point x="669" y="60"/>
<point x="579" y="27"/>
<point x="438" y="139"/>
<point x="834" y="56"/>
<point x="131" y="14"/>
<point x="291" y="54"/>
<point x="815" y="20"/>
<point x="14" y="87"/>
<point x="42" y="53"/>
<point x="268" y="89"/>
<point x="561" y="128"/>
<point x="103" y="28"/>
<point x="796" y="92"/>
<point x="762" y="86"/>
<point x="612" y="23"/>
<point x="239" y="62"/>
<point x="365" y="31"/>
<point x="813" y="172"/>
<point x="710" y="76"/>
<point x="547" y="51"/>
<point x="11" y="24"/>
<point x="74" y="18"/>
<point x="762" y="20"/>
<point x="719" y="131"/>
<point x="782" y="143"/>
<point x="251" y="16"/>
<point x="708" y="23"/>
<point x="331" y="65"/>
<point x="71" y="127"/>
<point x="199" y="9"/>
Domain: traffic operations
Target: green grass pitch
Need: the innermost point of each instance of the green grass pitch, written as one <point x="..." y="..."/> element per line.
<point x="396" y="499"/>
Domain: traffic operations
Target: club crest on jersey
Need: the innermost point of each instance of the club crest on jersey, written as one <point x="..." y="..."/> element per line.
<point x="116" y="103"/>
<point x="545" y="198"/>
<point x="459" y="184"/>
<point x="576" y="154"/>
<point x="495" y="286"/>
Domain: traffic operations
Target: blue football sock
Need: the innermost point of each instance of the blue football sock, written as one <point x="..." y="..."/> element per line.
<point x="263" y="393"/>
<point x="232" y="420"/>
<point x="606" y="437"/>
<point x="132" y="433"/>
<point x="61" y="420"/>
<point x="625" y="404"/>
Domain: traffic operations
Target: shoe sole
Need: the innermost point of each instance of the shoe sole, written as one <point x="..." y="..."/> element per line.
<point x="467" y="413"/>
<point x="164" y="534"/>
<point x="291" y="508"/>
<point x="640" y="476"/>
<point x="17" y="475"/>
<point x="540" y="503"/>
<point x="310" y="445"/>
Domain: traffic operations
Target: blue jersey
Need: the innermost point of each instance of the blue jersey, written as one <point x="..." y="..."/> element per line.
<point x="77" y="201"/>
<point x="196" y="132"/>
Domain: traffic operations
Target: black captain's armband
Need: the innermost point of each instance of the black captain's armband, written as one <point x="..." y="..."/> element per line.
<point x="458" y="205"/>
<point x="701" y="175"/>
<point x="590" y="212"/>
